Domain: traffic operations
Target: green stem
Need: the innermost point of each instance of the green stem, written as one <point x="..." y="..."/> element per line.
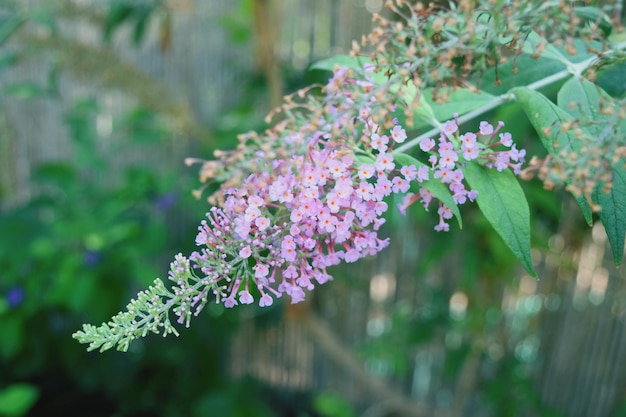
<point x="572" y="69"/>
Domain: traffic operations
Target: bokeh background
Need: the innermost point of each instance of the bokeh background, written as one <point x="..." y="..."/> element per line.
<point x="101" y="101"/>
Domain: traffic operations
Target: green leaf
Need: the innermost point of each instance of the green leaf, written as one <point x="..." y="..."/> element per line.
<point x="559" y="53"/>
<point x="595" y="15"/>
<point x="613" y="211"/>
<point x="502" y="201"/>
<point x="542" y="114"/>
<point x="531" y="45"/>
<point x="17" y="399"/>
<point x="502" y="78"/>
<point x="610" y="76"/>
<point x="436" y="187"/>
<point x="581" y="99"/>
<point x="461" y="101"/>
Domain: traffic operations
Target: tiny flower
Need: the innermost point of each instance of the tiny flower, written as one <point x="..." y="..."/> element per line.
<point x="379" y="142"/>
<point x="485" y="128"/>
<point x="384" y="162"/>
<point x="502" y="161"/>
<point x="15" y="296"/>
<point x="398" y="134"/>
<point x="442" y="226"/>
<point x="296" y="294"/>
<point x="448" y="159"/>
<point x="255" y="201"/>
<point x="290" y="272"/>
<point x="333" y="202"/>
<point x="336" y="168"/>
<point x="245" y="252"/>
<point x="409" y="172"/>
<point x="230" y="302"/>
<point x="450" y="127"/>
<point x="457" y="175"/>
<point x="260" y="270"/>
<point x="444" y="174"/>
<point x="327" y="223"/>
<point x="470" y="153"/>
<point x="517" y="155"/>
<point x="252" y="213"/>
<point x="266" y="300"/>
<point x="245" y="297"/>
<point x="400" y="185"/>
<point x="422" y="174"/>
<point x="468" y="140"/>
<point x="382" y="189"/>
<point x="427" y="144"/>
<point x="506" y="139"/>
<point x="364" y="191"/>
<point x="262" y="223"/>
<point x="366" y="171"/>
<point x="445" y="212"/>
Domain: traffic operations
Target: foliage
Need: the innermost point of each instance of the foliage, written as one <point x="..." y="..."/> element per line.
<point x="303" y="196"/>
<point x="379" y="129"/>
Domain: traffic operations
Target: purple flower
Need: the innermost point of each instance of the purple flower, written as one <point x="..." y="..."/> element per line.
<point x="165" y="201"/>
<point x="15" y="296"/>
<point x="91" y="258"/>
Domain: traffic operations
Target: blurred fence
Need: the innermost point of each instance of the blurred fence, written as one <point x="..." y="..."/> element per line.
<point x="577" y="310"/>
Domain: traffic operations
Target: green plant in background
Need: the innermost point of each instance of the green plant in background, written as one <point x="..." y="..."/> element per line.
<point x="91" y="244"/>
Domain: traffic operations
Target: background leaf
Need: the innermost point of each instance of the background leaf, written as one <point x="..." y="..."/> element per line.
<point x="17" y="399"/>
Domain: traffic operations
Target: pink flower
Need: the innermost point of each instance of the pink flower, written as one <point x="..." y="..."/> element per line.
<point x="266" y="301"/>
<point x="399" y="185"/>
<point x="470" y="153"/>
<point x="384" y="162"/>
<point x="260" y="270"/>
<point x="506" y="139"/>
<point x="366" y="171"/>
<point x="365" y="190"/>
<point x="422" y="174"/>
<point x="262" y="223"/>
<point x="485" y="128"/>
<point x="245" y="252"/>
<point x="398" y="134"/>
<point x="230" y="302"/>
<point x="427" y="144"/>
<point x="379" y="142"/>
<point x="409" y="172"/>
<point x="245" y="297"/>
<point x="450" y="128"/>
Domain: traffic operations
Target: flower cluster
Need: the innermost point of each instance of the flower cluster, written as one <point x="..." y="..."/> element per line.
<point x="284" y="225"/>
<point x="304" y="196"/>
<point x="315" y="196"/>
<point x="449" y="155"/>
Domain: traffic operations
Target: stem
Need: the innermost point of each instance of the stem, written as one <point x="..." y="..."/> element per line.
<point x="572" y="69"/>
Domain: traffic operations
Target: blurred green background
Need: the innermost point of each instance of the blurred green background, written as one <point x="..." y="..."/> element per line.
<point x="100" y="102"/>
